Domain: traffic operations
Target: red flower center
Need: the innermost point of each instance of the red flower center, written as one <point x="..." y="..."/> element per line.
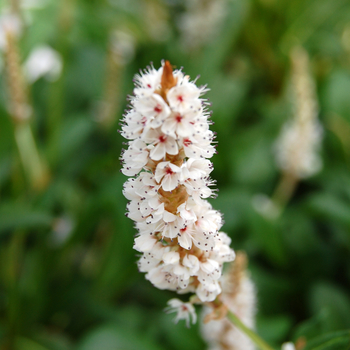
<point x="187" y="142"/>
<point x="178" y="118"/>
<point x="162" y="138"/>
<point x="168" y="171"/>
<point x="158" y="109"/>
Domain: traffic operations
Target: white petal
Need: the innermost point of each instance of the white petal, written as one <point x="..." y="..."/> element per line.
<point x="171" y="146"/>
<point x="144" y="243"/>
<point x="169" y="217"/>
<point x="171" y="257"/>
<point x="185" y="241"/>
<point x="192" y="262"/>
<point x="169" y="183"/>
<point x="158" y="152"/>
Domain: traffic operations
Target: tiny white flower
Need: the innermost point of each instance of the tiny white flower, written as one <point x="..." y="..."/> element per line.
<point x="187" y="214"/>
<point x="168" y="174"/>
<point x="160" y="144"/>
<point x="154" y="108"/>
<point x="184" y="311"/>
<point x="196" y="168"/>
<point x="171" y="229"/>
<point x="136" y="123"/>
<point x="136" y="157"/>
<point x="181" y="124"/>
<point x="209" y="291"/>
<point x="147" y="82"/>
<point x="184" y="97"/>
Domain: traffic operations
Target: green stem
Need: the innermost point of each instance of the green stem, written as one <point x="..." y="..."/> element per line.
<point x="248" y="332"/>
<point x="11" y="277"/>
<point x="56" y="100"/>
<point x="284" y="190"/>
<point x="32" y="164"/>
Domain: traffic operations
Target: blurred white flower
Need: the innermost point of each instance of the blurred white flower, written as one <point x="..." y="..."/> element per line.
<point x="156" y="20"/>
<point x="122" y="45"/>
<point x="43" y="61"/>
<point x="240" y="297"/>
<point x="62" y="228"/>
<point x="297" y="148"/>
<point x="265" y="206"/>
<point x="10" y="24"/>
<point x="33" y="4"/>
<point x="198" y="25"/>
<point x="288" y="346"/>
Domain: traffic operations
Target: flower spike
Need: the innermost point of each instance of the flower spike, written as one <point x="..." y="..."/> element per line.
<point x="168" y="153"/>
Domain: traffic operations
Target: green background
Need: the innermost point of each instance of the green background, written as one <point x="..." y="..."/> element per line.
<point x="82" y="291"/>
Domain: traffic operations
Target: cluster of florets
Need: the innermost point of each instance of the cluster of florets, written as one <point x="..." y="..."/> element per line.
<point x="170" y="143"/>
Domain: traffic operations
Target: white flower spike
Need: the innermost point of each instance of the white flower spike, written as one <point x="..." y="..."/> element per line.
<point x="297" y="148"/>
<point x="168" y="149"/>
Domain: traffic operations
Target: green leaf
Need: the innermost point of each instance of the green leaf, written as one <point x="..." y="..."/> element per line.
<point x="298" y="232"/>
<point x="274" y="289"/>
<point x="335" y="95"/>
<point x="28" y="344"/>
<point x="274" y="328"/>
<point x="269" y="237"/>
<point x="51" y="340"/>
<point x="112" y="337"/>
<point x="74" y="133"/>
<point x="5" y="169"/>
<point x="218" y="50"/>
<point x="332" y="341"/>
<point x="20" y="216"/>
<point x="328" y="206"/>
<point x="311" y="327"/>
<point x="179" y="335"/>
<point x="251" y="159"/>
<point x="328" y="297"/>
<point x="234" y="204"/>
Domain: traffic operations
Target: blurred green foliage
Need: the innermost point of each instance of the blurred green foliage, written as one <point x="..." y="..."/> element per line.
<point x="68" y="277"/>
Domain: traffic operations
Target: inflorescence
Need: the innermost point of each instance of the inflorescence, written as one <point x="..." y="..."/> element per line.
<point x="169" y="145"/>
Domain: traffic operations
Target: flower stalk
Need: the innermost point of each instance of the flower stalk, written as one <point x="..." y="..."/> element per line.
<point x="21" y="111"/>
<point x="121" y="50"/>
